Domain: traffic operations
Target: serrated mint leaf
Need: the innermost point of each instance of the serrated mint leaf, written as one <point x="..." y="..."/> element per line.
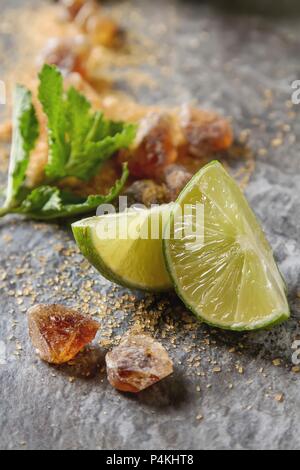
<point x="25" y="134"/>
<point x="96" y="153"/>
<point x="50" y="203"/>
<point x="80" y="140"/>
<point x="51" y="96"/>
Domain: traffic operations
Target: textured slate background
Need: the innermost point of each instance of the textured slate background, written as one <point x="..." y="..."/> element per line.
<point x="242" y="65"/>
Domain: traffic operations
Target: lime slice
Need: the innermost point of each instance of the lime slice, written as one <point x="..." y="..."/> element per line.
<point x="127" y="248"/>
<point x="225" y="273"/>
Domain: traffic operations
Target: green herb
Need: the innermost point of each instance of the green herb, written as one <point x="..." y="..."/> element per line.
<point x="25" y="134"/>
<point x="48" y="202"/>
<point x="80" y="141"/>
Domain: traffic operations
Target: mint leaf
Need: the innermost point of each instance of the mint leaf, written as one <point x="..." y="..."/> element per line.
<point x="25" y="134"/>
<point x="42" y="200"/>
<point x="49" y="203"/>
<point x="80" y="119"/>
<point x="84" y="165"/>
<point x="51" y="96"/>
<point x="80" y="141"/>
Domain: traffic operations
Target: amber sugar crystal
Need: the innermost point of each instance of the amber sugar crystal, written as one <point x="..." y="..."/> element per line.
<point x="205" y="131"/>
<point x="59" y="333"/>
<point x="72" y="7"/>
<point x="176" y="178"/>
<point x="137" y="363"/>
<point x="68" y="54"/>
<point x="155" y="147"/>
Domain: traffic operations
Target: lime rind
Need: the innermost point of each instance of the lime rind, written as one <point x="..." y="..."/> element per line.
<point x="83" y="237"/>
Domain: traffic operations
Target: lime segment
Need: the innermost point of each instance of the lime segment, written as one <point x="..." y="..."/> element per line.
<point x="228" y="278"/>
<point x="127" y="248"/>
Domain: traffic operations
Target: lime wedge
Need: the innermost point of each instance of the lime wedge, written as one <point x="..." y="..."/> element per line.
<point x="126" y="248"/>
<point x="225" y="273"/>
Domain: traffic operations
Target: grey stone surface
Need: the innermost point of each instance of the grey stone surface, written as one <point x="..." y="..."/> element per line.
<point x="232" y="62"/>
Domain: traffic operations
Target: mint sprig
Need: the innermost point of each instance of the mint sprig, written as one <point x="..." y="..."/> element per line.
<point x="80" y="141"/>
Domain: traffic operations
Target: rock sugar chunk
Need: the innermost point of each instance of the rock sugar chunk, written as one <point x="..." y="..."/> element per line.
<point x="59" y="333"/>
<point x="137" y="363"/>
<point x="146" y="192"/>
<point x="176" y="178"/>
<point x="154" y="148"/>
<point x="205" y="132"/>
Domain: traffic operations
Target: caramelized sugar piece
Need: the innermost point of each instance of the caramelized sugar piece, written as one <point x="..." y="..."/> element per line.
<point x="68" y="54"/>
<point x="105" y="32"/>
<point x="155" y="146"/>
<point x="164" y="138"/>
<point x="137" y="363"/>
<point x="176" y="178"/>
<point x="59" y="333"/>
<point x="205" y="132"/>
<point x="72" y="7"/>
<point x="146" y="192"/>
<point x="89" y="11"/>
<point x="100" y="29"/>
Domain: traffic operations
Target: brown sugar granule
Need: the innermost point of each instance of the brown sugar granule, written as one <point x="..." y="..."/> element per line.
<point x="279" y="397"/>
<point x="59" y="333"/>
<point x="276" y="362"/>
